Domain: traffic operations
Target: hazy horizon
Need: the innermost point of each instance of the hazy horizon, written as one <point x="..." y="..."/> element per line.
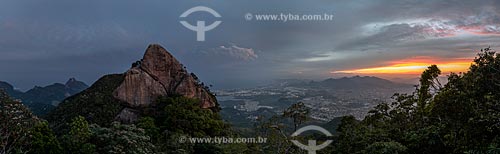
<point x="409" y="79"/>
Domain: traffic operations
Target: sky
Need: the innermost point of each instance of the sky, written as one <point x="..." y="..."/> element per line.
<point x="43" y="42"/>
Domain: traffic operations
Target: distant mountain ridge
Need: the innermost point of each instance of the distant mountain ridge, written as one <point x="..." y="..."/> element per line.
<point x="43" y="99"/>
<point x="355" y="82"/>
<point x="9" y="89"/>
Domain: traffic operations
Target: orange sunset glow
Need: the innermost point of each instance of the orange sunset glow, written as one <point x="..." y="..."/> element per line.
<point x="415" y="65"/>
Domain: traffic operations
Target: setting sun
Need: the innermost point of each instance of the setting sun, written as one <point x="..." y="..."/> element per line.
<point x="414" y="66"/>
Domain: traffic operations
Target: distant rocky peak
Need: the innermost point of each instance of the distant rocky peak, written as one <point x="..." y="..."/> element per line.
<point x="71" y="80"/>
<point x="6" y="86"/>
<point x="74" y="84"/>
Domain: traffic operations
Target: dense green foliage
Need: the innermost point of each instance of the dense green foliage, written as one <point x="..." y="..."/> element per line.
<point x="156" y="132"/>
<point x="177" y="117"/>
<point x="96" y="103"/>
<point x="277" y="129"/>
<point x="462" y="116"/>
<point x="78" y="139"/>
<point x="15" y="123"/>
<point x="44" y="140"/>
<point x="298" y="113"/>
<point x="121" y="138"/>
<point x="148" y="124"/>
<point x="185" y="116"/>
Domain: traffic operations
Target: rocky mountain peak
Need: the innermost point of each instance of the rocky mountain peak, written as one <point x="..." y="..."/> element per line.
<point x="9" y="89"/>
<point x="158" y="73"/>
<point x="71" y="80"/>
<point x="162" y="66"/>
<point x="6" y="86"/>
<point x="74" y="86"/>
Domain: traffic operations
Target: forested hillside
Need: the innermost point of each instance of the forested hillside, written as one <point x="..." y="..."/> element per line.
<point x="462" y="116"/>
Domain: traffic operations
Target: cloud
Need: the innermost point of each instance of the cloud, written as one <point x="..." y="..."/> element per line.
<point x="484" y="23"/>
<point x="246" y="54"/>
<point x="383" y="33"/>
<point x="378" y="31"/>
<point x="326" y="56"/>
<point x="35" y="40"/>
<point x="397" y="33"/>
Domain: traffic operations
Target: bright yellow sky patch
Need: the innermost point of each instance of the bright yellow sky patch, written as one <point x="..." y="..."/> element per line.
<point x="414" y="65"/>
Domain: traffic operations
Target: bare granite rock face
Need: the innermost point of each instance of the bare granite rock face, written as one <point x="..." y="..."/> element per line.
<point x="158" y="74"/>
<point x="127" y="115"/>
<point x="139" y="89"/>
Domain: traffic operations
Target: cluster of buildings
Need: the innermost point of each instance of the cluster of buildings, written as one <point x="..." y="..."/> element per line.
<point x="324" y="104"/>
